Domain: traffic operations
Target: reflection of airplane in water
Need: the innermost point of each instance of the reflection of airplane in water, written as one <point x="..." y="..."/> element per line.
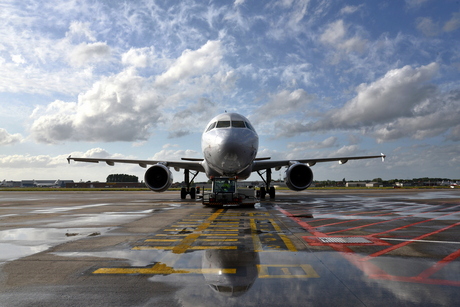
<point x="245" y="263"/>
<point x="229" y="145"/>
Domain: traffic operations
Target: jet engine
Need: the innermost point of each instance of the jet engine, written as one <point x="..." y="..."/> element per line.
<point x="158" y="178"/>
<point x="298" y="177"/>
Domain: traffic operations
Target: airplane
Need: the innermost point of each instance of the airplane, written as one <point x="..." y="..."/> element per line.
<point x="229" y="144"/>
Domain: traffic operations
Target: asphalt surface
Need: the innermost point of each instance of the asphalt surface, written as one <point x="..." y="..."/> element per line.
<point x="318" y="248"/>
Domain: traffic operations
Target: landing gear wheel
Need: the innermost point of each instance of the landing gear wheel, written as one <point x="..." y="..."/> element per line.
<point x="262" y="192"/>
<point x="183" y="193"/>
<point x="272" y="192"/>
<point x="192" y="193"/>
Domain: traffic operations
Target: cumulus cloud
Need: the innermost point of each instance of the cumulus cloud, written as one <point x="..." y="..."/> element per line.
<point x="138" y="57"/>
<point x="118" y="108"/>
<point x="125" y="106"/>
<point x="9" y="139"/>
<point x="89" y="53"/>
<point x="401" y="103"/>
<point x="192" y="63"/>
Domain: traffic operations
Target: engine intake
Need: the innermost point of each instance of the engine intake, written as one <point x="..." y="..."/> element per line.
<point x="158" y="178"/>
<point x="298" y="177"/>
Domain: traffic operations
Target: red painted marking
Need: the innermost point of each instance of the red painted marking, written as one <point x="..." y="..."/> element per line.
<point x="439" y="265"/>
<point x="399" y="218"/>
<point x="371" y="270"/>
<point x="314" y="241"/>
<point x="387" y="250"/>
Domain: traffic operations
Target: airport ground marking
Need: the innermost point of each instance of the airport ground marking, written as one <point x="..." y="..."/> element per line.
<point x="162" y="269"/>
<point x="372" y="270"/>
<point x="392" y="248"/>
<point x="286" y="270"/>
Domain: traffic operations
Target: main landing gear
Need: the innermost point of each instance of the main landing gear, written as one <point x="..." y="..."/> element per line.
<point x="188" y="190"/>
<point x="267" y="189"/>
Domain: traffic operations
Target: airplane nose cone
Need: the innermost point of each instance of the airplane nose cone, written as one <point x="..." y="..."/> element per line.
<point x="233" y="151"/>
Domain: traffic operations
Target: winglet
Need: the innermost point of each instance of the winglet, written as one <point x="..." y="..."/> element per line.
<point x="383" y="157"/>
<point x="68" y="158"/>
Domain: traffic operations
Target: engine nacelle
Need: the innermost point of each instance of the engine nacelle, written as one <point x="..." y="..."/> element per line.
<point x="158" y="178"/>
<point x="298" y="177"/>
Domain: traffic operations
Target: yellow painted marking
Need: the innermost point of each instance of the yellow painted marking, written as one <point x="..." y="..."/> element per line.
<point x="171" y="235"/>
<point x="220" y="230"/>
<point x="306" y="268"/>
<point x="218" y="234"/>
<point x="139" y="248"/>
<point x="214" y="225"/>
<point x="218" y="240"/>
<point x="286" y="271"/>
<point x="162" y="240"/>
<point x="161" y="268"/>
<point x="283" y="237"/>
<point x="255" y="237"/>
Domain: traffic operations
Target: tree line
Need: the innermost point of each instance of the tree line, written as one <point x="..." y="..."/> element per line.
<point x="122" y="178"/>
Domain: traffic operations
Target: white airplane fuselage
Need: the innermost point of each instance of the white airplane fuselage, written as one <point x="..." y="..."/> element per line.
<point x="229" y="146"/>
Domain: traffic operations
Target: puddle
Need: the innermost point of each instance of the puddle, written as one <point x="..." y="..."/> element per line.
<point x="65" y="209"/>
<point x="22" y="242"/>
<point x="106" y="218"/>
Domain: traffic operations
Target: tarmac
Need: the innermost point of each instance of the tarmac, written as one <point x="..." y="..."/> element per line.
<point x="316" y="247"/>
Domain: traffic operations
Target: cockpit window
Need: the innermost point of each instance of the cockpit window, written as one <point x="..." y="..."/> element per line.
<point x="238" y="124"/>
<point x="223" y="124"/>
<point x="211" y="126"/>
<point x="250" y="127"/>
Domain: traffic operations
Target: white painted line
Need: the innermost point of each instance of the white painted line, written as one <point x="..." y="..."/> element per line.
<point x="423" y="241"/>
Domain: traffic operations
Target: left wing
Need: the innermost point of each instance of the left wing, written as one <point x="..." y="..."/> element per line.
<point x="266" y="164"/>
<point x="190" y="164"/>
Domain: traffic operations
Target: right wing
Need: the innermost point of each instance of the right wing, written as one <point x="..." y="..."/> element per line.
<point x="265" y="164"/>
<point x="190" y="164"/>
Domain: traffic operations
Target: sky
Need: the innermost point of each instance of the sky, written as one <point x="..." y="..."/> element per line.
<point x="316" y="78"/>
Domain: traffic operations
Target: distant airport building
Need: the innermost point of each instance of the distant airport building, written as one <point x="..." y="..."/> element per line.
<point x="35" y="183"/>
<point x="355" y="184"/>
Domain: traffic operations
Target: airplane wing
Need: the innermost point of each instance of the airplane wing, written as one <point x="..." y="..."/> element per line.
<point x="265" y="164"/>
<point x="190" y="164"/>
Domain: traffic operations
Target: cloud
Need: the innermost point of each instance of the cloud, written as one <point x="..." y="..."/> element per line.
<point x="452" y="24"/>
<point x="81" y="30"/>
<point x="139" y="57"/>
<point x="192" y="63"/>
<point x="284" y="102"/>
<point x="350" y="9"/>
<point x="9" y="139"/>
<point x="89" y="53"/>
<point x="336" y="36"/>
<point x="125" y="106"/>
<point x="401" y="96"/>
<point x="117" y="108"/>
<point x="427" y="26"/>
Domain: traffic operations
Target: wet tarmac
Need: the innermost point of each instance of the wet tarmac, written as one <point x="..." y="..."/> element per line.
<point x="318" y="248"/>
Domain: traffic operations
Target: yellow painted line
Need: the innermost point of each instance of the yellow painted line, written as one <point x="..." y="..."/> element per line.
<point x="255" y="237"/>
<point x="222" y="230"/>
<point x="171" y="235"/>
<point x="306" y="268"/>
<point x="218" y="240"/>
<point x="162" y="240"/>
<point x="160" y="268"/>
<point x="283" y="237"/>
<point x="218" y="234"/>
<point x="213" y="225"/>
<point x="190" y="247"/>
